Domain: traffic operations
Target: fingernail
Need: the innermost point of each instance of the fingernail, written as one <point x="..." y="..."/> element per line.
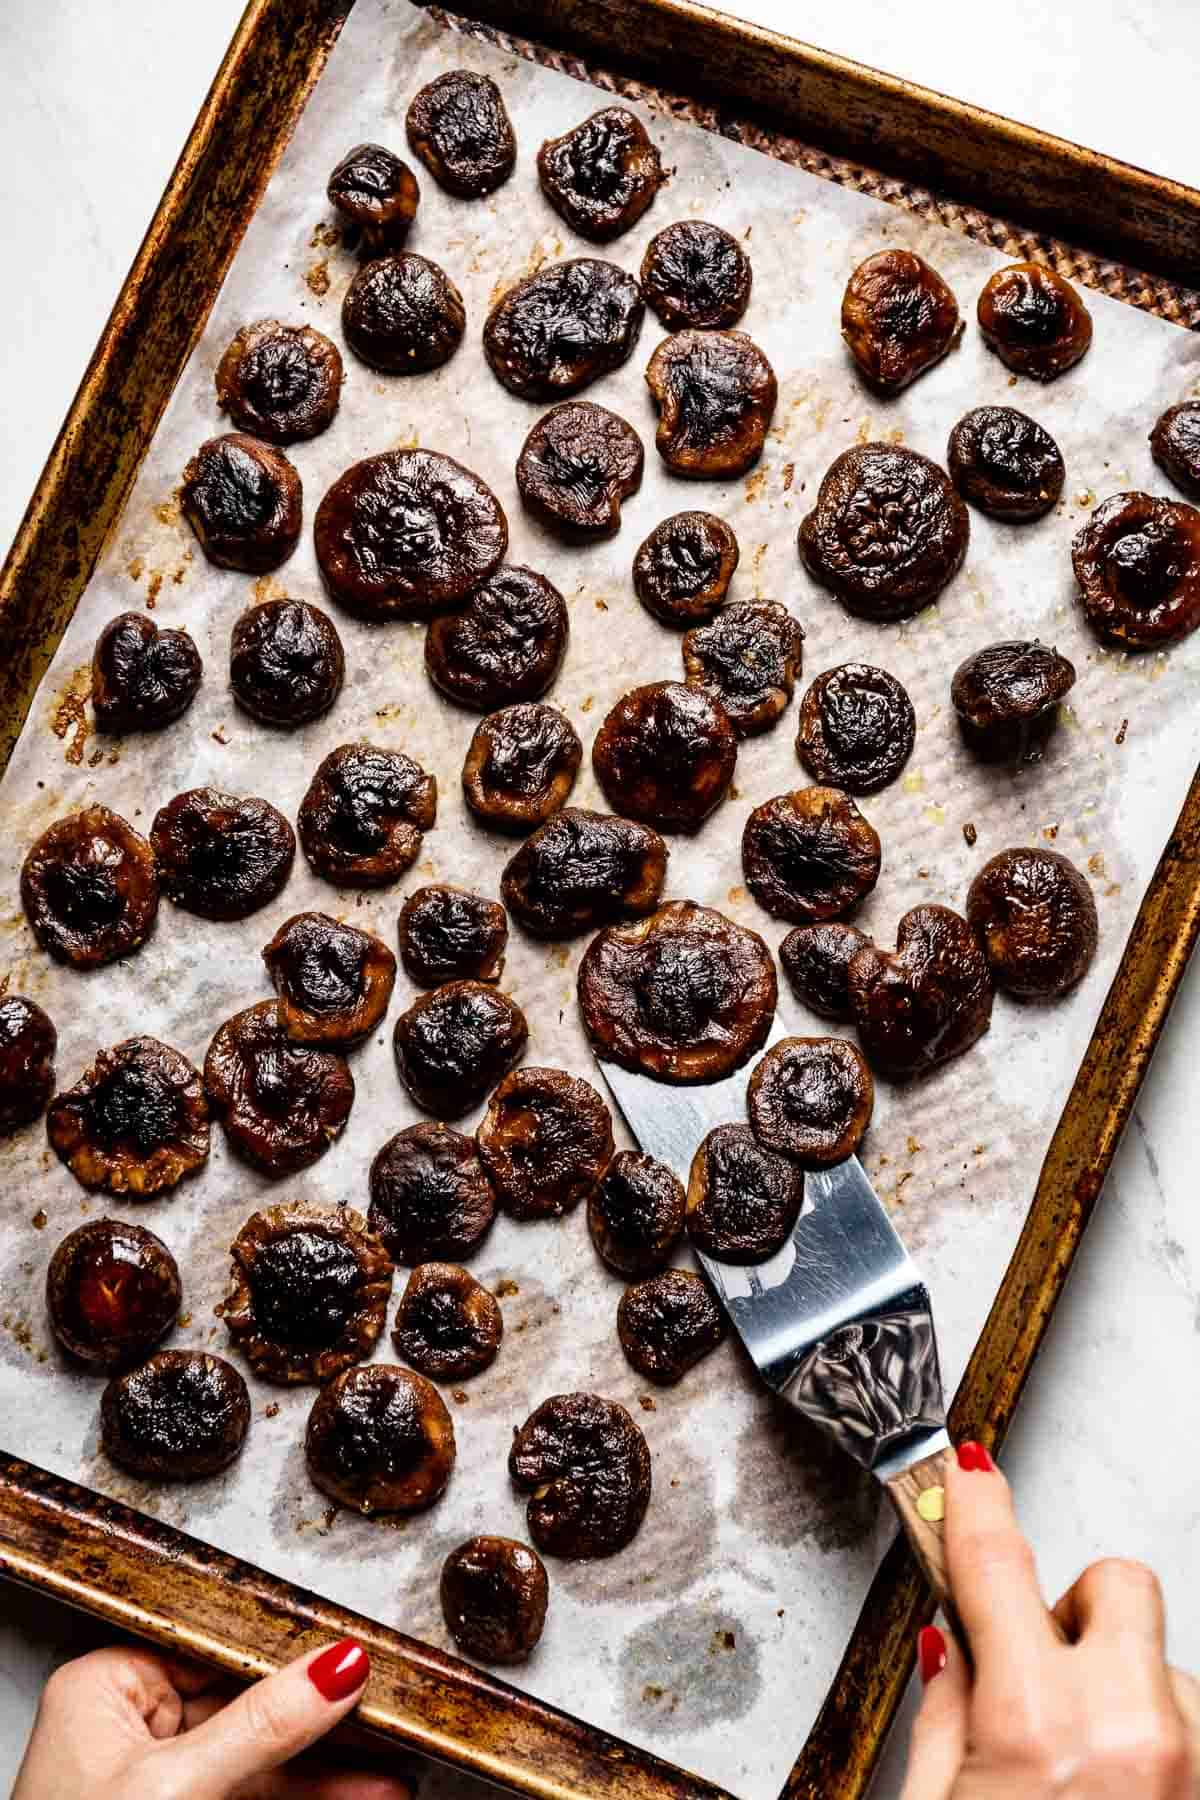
<point x="974" y="1456"/>
<point x="339" y="1671"/>
<point x="931" y="1652"/>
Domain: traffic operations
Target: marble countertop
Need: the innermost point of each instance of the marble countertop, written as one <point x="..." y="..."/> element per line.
<point x="1100" y="1463"/>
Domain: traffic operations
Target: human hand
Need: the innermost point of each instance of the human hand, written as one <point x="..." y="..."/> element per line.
<point x="127" y="1724"/>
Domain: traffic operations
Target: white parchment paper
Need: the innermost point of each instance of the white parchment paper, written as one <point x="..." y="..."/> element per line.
<point x="714" y="1637"/>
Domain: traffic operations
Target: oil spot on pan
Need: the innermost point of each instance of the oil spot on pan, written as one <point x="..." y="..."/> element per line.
<point x="688" y="1669"/>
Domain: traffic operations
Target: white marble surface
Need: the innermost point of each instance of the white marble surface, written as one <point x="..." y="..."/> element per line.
<point x="97" y="96"/>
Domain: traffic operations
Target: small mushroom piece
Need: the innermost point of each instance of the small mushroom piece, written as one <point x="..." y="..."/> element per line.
<point x="1006" y="697"/>
<point x="494" y="1593"/>
<point x="1034" y="913"/>
<point x="142" y="677"/>
<point x="286" y="663"/>
<point x="447" y="1325"/>
<point x="635" y="1214"/>
<point x="578" y="463"/>
<point x="28" y="1041"/>
<point x="586" y="1468"/>
<point x="1034" y="320"/>
<point x="898" y="319"/>
<point x="857" y="728"/>
<point x="453" y="1045"/>
<point x="748" y="659"/>
<point x="684" y="996"/>
<point x="743" y="1200"/>
<point x="602" y="174"/>
<point x="89" y="887"/>
<point x="667" y="1324"/>
<point x="282" y="1104"/>
<point x="1005" y="463"/>
<point x="506" y="645"/>
<point x="113" y="1292"/>
<point x="816" y="961"/>
<point x="696" y="276"/>
<point x="376" y="196"/>
<point x="280" y="382"/>
<point x="403" y="315"/>
<point x="221" y="857"/>
<point x="545" y="1141"/>
<point x="407" y="534"/>
<point x="450" y="934"/>
<point x="380" y="1440"/>
<point x="243" y="500"/>
<point x="180" y="1416"/>
<point x="929" y="1001"/>
<point x="521" y="766"/>
<point x="810" y="855"/>
<point x="459" y="127"/>
<point x="136" y="1122"/>
<point x="563" y="327"/>
<point x="811" y="1099"/>
<point x="431" y="1199"/>
<point x="362" y="819"/>
<point x="1175" y="446"/>
<point x="582" y="869"/>
<point x="308" y="1292"/>
<point x="716" y="393"/>
<point x="682" y="571"/>
<point x="666" y="755"/>
<point x="1137" y="562"/>
<point x="334" y="981"/>
<point x="887" y="533"/>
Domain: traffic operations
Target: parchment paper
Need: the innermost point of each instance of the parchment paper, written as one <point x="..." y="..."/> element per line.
<point x="714" y="1637"/>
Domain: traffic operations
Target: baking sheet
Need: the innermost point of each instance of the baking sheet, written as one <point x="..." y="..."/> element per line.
<point x="714" y="1637"/>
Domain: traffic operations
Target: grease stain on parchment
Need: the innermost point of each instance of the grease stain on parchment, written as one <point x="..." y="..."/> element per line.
<point x="690" y="1667"/>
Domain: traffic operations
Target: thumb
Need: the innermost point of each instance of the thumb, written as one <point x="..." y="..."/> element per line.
<point x="939" y="1734"/>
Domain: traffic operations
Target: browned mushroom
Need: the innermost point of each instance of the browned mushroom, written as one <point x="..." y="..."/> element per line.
<point x="380" y="1440"/>
<point x="635" y="1214"/>
<point x="89" y="888"/>
<point x="1034" y="320"/>
<point x="113" y="1292"/>
<point x="403" y="315"/>
<point x="1034" y="913"/>
<point x="742" y="1199"/>
<point x="667" y="1324"/>
<point x="362" y="819"/>
<point x="545" y="1141"/>
<point x="578" y="463"/>
<point x="898" y="319"/>
<point x="1004" y="463"/>
<point x="816" y="961"/>
<point x="181" y="1416"/>
<point x="280" y="382"/>
<point x="716" y="393"/>
<point x="696" y="275"/>
<point x="494" y="1593"/>
<point x="136" y="1122"/>
<point x="459" y="127"/>
<point x="811" y="1099"/>
<point x="1175" y="446"/>
<point x="602" y="174"/>
<point x="506" y="645"/>
<point x="431" y="1200"/>
<point x="748" y="659"/>
<point x="520" y="766"/>
<point x="286" y="663"/>
<point x="282" y="1104"/>
<point x="221" y="857"/>
<point x="377" y="197"/>
<point x="1006" y="697"/>
<point x="586" y="1468"/>
<point x="682" y="571"/>
<point x="563" y="327"/>
<point x="142" y="678"/>
<point x="810" y="855"/>
<point x="450" y="934"/>
<point x="1137" y="562"/>
<point x="929" y="1001"/>
<point x="333" y="980"/>
<point x="582" y="869"/>
<point x="243" y="499"/>
<point x="28" y="1041"/>
<point x="665" y="755"/>
<point x="447" y="1325"/>
<point x="857" y="728"/>
<point x="456" y="1043"/>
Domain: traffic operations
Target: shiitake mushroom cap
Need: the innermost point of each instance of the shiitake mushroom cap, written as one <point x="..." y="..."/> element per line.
<point x="459" y="127"/>
<point x="635" y="1214"/>
<point x="377" y="197"/>
<point x="1006" y="697"/>
<point x="28" y="1042"/>
<point x="682" y="570"/>
<point x="143" y="677"/>
<point x="576" y="466"/>
<point x="447" y="1325"/>
<point x="695" y="275"/>
<point x="1005" y="463"/>
<point x="113" y="1292"/>
<point x="545" y="1141"/>
<point x="494" y="1592"/>
<point x="716" y="393"/>
<point x="286" y="662"/>
<point x="563" y="327"/>
<point x="667" y="1324"/>
<point x="363" y="818"/>
<point x="927" y="1002"/>
<point x="602" y="174"/>
<point x="743" y="1200"/>
<point x="282" y="1103"/>
<point x="89" y="888"/>
<point x="898" y="319"/>
<point x="810" y="855"/>
<point x="136" y="1121"/>
<point x="219" y="856"/>
<point x="586" y="1468"/>
<point x="281" y="383"/>
<point x="811" y="1098"/>
<point x="456" y="1043"/>
<point x="748" y="658"/>
<point x="1137" y="562"/>
<point x="816" y="961"/>
<point x="665" y="755"/>
<point x="857" y="728"/>
<point x="380" y="1440"/>
<point x="180" y="1416"/>
<point x="520" y="766"/>
<point x="1175" y="446"/>
<point x="1034" y="320"/>
<point x="507" y="644"/>
<point x="451" y="934"/>
<point x="582" y="869"/>
<point x="431" y="1200"/>
<point x="403" y="315"/>
<point x="1035" y="915"/>
<point x="334" y="980"/>
<point x="244" y="501"/>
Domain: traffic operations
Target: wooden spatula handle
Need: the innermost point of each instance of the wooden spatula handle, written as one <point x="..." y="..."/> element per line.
<point x="924" y="1524"/>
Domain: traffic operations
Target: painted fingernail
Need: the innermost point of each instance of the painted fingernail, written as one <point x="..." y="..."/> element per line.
<point x="339" y="1671"/>
<point x="974" y="1456"/>
<point x="931" y="1652"/>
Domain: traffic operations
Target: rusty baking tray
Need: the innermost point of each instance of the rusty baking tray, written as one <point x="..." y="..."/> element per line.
<point x="1110" y="226"/>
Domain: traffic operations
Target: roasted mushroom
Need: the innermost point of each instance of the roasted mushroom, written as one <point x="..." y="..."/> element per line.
<point x="431" y="1200"/>
<point x="601" y="175"/>
<point x="280" y="382"/>
<point x="742" y="1199"/>
<point x="180" y="1416"/>
<point x="377" y="197"/>
<point x="565" y="326"/>
<point x="810" y="855"/>
<point x="748" y="659"/>
<point x="667" y="1324"/>
<point x="450" y="934"/>
<point x="1005" y="463"/>
<point x="682" y="571"/>
<point x="403" y="315"/>
<point x="666" y="755"/>
<point x="494" y="1593"/>
<point x="136" y="1122"/>
<point x="142" y="677"/>
<point x="380" y="1440"/>
<point x="281" y="1103"/>
<point x="696" y="275"/>
<point x="243" y="500"/>
<point x="898" y="319"/>
<point x="1006" y="697"/>
<point x="407" y="534"/>
<point x="545" y="1141"/>
<point x="89" y="888"/>
<point x="816" y="961"/>
<point x="28" y="1041"/>
<point x="286" y="664"/>
<point x="929" y="1001"/>
<point x="1034" y="913"/>
<point x="715" y="392"/>
<point x="586" y="1468"/>
<point x="576" y="466"/>
<point x="1137" y="562"/>
<point x="811" y="1099"/>
<point x="582" y="869"/>
<point x="308" y="1292"/>
<point x="857" y="728"/>
<point x="1034" y="320"/>
<point x="447" y="1325"/>
<point x="635" y="1214"/>
<point x="506" y="645"/>
<point x="334" y="981"/>
<point x="221" y="857"/>
<point x="113" y="1292"/>
<point x="521" y="765"/>
<point x="362" y="819"/>
<point x="459" y="127"/>
<point x="685" y="995"/>
<point x="1175" y="446"/>
<point x="456" y="1043"/>
<point x="887" y="533"/>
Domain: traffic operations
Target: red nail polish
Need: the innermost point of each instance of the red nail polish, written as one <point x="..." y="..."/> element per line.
<point x="339" y="1671"/>
<point x="931" y="1653"/>
<point x="974" y="1456"/>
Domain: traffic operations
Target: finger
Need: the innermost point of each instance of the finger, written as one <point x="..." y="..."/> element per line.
<point x="295" y="1782"/>
<point x="992" y="1572"/>
<point x="127" y="1692"/>
<point x="939" y="1734"/>
<point x="1115" y="1601"/>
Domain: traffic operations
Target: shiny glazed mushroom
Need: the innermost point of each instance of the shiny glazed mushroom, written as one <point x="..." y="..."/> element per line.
<point x="376" y="195"/>
<point x="1137" y="562"/>
<point x="506" y="645"/>
<point x="282" y="1104"/>
<point x="494" y="1593"/>
<point x="280" y="382"/>
<point x="716" y="393"/>
<point x="857" y="728"/>
<point x="748" y="659"/>
<point x="113" y="1292"/>
<point x="450" y="934"/>
<point x="811" y="1099"/>
<point x="578" y="463"/>
<point x="136" y="1122"/>
<point x="586" y="1468"/>
<point x="403" y="315"/>
<point x="286" y="663"/>
<point x="582" y="869"/>
<point x="602" y="174"/>
<point x="898" y="319"/>
<point x="180" y="1416"/>
<point x="665" y="755"/>
<point x="89" y="887"/>
<point x="742" y="1199"/>
<point x="635" y="1214"/>
<point x="1034" y="320"/>
<point x="380" y="1440"/>
<point x="563" y="327"/>
<point x="1035" y="915"/>
<point x="221" y="857"/>
<point x="1175" y="446"/>
<point x="456" y="1043"/>
<point x="1005" y="463"/>
<point x="1007" y="696"/>
<point x="927" y="1002"/>
<point x="334" y="981"/>
<point x="459" y="127"/>
<point x="667" y="1324"/>
<point x="810" y="855"/>
<point x="363" y="818"/>
<point x="447" y="1325"/>
<point x="243" y="500"/>
<point x="142" y="677"/>
<point x="682" y="571"/>
<point x="816" y="962"/>
<point x="28" y="1042"/>
<point x="520" y="766"/>
<point x="431" y="1200"/>
<point x="697" y="276"/>
<point x="545" y="1141"/>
